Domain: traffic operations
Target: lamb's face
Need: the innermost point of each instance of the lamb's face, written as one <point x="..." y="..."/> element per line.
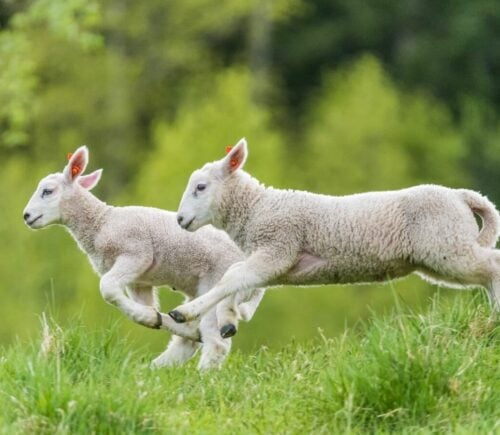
<point x="197" y="203"/>
<point x="44" y="206"/>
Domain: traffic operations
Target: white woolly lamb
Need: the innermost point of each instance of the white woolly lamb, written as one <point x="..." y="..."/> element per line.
<point x="301" y="238"/>
<point x="135" y="249"/>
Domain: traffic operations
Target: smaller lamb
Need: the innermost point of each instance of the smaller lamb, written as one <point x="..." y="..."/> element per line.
<point x="135" y="249"/>
<point x="301" y="238"/>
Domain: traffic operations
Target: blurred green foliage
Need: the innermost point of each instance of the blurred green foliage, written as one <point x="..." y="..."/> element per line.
<point x="333" y="96"/>
<point x="392" y="138"/>
<point x="210" y="118"/>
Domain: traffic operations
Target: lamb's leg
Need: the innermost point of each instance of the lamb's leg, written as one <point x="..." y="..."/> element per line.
<point x="473" y="266"/>
<point x="494" y="284"/>
<point x="178" y="351"/>
<point x="256" y="271"/>
<point x="214" y="349"/>
<point x="494" y="294"/>
<point x="228" y="316"/>
<point x="145" y="295"/>
<point x="235" y="308"/>
<point x="247" y="308"/>
<point x="113" y="288"/>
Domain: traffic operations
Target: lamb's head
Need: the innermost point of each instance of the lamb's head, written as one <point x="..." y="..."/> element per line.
<point x="56" y="190"/>
<point x="200" y="201"/>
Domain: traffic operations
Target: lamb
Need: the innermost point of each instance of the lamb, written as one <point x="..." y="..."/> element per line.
<point x="136" y="249"/>
<point x="301" y="238"/>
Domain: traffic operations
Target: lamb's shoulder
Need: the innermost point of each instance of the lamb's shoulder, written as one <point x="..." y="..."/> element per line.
<point x="276" y="220"/>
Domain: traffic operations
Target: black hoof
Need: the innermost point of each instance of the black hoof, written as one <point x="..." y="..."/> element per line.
<point x="177" y="316"/>
<point x="228" y="330"/>
<point x="159" y="321"/>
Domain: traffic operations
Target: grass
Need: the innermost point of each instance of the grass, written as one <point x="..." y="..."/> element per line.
<point x="405" y="372"/>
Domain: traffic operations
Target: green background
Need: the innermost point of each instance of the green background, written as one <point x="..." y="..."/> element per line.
<point x="333" y="96"/>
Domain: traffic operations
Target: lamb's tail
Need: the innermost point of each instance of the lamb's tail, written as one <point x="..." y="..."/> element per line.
<point x="483" y="207"/>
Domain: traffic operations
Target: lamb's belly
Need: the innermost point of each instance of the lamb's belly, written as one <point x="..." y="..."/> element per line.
<point x="159" y="277"/>
<point x="345" y="271"/>
<point x="100" y="266"/>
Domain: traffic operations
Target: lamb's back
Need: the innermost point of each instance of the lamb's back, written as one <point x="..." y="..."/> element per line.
<point x="372" y="222"/>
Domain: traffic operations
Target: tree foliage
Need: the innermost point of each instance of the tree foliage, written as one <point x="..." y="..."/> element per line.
<point x="377" y="136"/>
<point x="205" y="124"/>
<point x="333" y="96"/>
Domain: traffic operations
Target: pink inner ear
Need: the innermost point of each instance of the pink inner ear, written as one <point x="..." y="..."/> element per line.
<point x="89" y="181"/>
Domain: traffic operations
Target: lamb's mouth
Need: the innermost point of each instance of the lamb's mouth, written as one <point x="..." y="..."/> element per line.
<point x="34" y="220"/>
<point x="188" y="224"/>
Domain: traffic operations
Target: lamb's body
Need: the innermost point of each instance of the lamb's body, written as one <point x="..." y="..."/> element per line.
<point x="160" y="254"/>
<point x="364" y="237"/>
<point x="188" y="262"/>
<point x="302" y="238"/>
<point x="327" y="254"/>
<point x="136" y="249"/>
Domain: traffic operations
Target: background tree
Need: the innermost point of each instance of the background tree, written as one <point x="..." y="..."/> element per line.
<point x="335" y="96"/>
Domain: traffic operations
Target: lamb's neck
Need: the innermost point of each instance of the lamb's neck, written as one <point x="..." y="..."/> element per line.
<point x="84" y="215"/>
<point x="241" y="195"/>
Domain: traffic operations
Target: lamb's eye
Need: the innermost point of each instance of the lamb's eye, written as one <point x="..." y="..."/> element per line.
<point x="200" y="187"/>
<point x="46" y="192"/>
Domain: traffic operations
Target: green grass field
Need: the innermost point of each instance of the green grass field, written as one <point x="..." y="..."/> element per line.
<point x="405" y="372"/>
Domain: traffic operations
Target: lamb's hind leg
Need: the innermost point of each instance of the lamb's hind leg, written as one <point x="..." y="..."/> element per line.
<point x="474" y="267"/>
<point x="145" y="295"/>
<point x="227" y="316"/>
<point x="227" y="309"/>
<point x="179" y="349"/>
<point x="241" y="306"/>
<point x="494" y="284"/>
<point x="214" y="349"/>
<point x="492" y="276"/>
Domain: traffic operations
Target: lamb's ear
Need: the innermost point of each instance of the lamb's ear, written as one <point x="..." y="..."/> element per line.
<point x="236" y="157"/>
<point x="90" y="181"/>
<point x="77" y="163"/>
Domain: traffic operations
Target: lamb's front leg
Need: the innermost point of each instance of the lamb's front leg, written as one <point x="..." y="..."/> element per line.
<point x="257" y="270"/>
<point x="113" y="288"/>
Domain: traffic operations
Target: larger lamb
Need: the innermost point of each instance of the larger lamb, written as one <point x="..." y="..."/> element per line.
<point x="302" y="238"/>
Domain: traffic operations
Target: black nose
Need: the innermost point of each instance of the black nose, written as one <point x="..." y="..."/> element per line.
<point x="26" y="216"/>
<point x="179" y="219"/>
